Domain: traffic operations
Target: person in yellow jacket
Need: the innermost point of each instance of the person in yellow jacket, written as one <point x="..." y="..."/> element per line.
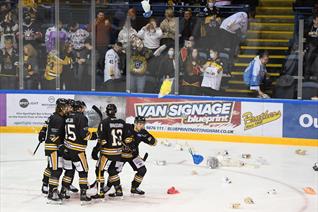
<point x="54" y="67"/>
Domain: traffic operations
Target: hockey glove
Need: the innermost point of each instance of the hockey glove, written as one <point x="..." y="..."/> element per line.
<point x="42" y="135"/>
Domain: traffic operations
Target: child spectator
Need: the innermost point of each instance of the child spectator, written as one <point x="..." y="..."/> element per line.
<point x="8" y="30"/>
<point x="212" y="75"/>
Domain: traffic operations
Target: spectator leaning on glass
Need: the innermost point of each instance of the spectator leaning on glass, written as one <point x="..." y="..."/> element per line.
<point x="212" y="75"/>
<point x="8" y="65"/>
<point x="151" y="35"/>
<point x="255" y="75"/>
<point x="8" y="29"/>
<point x="112" y="72"/>
<point x="168" y="27"/>
<point x="31" y="69"/>
<point x="54" y="67"/>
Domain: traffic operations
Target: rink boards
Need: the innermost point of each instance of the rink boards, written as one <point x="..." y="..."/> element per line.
<point x="289" y="122"/>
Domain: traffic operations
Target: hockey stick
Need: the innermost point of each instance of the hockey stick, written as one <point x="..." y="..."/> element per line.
<point x="37" y="147"/>
<point x="97" y="110"/>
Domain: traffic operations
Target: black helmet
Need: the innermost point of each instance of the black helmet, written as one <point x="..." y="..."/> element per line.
<point x="70" y="102"/>
<point x="61" y="102"/>
<point x="140" y="119"/>
<point x="111" y="110"/>
<point x="77" y="105"/>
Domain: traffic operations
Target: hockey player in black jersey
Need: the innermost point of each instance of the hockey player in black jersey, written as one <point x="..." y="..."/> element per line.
<point x="134" y="135"/>
<point x="109" y="145"/>
<point x="76" y="137"/>
<point x="53" y="142"/>
<point x="42" y="138"/>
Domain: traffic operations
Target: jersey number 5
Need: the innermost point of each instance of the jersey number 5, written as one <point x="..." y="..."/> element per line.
<point x="117" y="136"/>
<point x="70" y="134"/>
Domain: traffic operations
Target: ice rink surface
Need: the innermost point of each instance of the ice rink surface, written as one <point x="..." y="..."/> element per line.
<point x="201" y="188"/>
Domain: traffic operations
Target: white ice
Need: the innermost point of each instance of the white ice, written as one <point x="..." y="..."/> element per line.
<point x="287" y="172"/>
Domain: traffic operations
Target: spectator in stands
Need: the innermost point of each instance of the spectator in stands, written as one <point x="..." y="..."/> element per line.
<point x="151" y="35"/>
<point x="132" y="15"/>
<point x="210" y="32"/>
<point x="138" y="65"/>
<point x="54" y="67"/>
<point x="9" y="59"/>
<point x="255" y="75"/>
<point x="311" y="63"/>
<point x="191" y="82"/>
<point x="212" y="75"/>
<point x="31" y="32"/>
<point x="112" y="72"/>
<point x="187" y="26"/>
<point x="232" y="27"/>
<point x="31" y="69"/>
<point x="8" y="29"/>
<point x="103" y="33"/>
<point x="51" y="37"/>
<point x="68" y="75"/>
<point x="84" y="74"/>
<point x="168" y="27"/>
<point x="125" y="33"/>
<point x="77" y="36"/>
<point x="220" y="2"/>
<point x="167" y="66"/>
<point x="185" y="52"/>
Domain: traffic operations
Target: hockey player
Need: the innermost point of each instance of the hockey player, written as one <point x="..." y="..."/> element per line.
<point x="76" y="137"/>
<point x="110" y="134"/>
<point x="134" y="135"/>
<point x="69" y="172"/>
<point x="53" y="142"/>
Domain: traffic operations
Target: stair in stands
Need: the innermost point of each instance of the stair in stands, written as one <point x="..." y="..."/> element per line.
<point x="271" y="30"/>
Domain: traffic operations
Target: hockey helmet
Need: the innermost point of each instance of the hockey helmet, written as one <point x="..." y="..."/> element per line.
<point x="139" y="119"/>
<point x="111" y="110"/>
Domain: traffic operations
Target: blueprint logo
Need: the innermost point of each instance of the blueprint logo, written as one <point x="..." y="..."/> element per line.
<point x="300" y="121"/>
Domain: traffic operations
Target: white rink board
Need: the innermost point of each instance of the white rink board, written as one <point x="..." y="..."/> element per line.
<point x="288" y="173"/>
<point x="29" y="109"/>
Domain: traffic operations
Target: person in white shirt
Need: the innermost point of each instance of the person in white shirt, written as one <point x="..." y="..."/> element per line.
<point x="236" y="22"/>
<point x="125" y="33"/>
<point x="112" y="71"/>
<point x="212" y="75"/>
<point x="151" y="35"/>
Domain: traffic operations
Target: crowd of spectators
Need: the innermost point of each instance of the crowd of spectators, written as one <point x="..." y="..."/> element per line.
<point x="208" y="46"/>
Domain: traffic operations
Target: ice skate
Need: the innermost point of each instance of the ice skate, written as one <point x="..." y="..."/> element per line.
<point x="65" y="193"/>
<point x="54" y="197"/>
<point x="85" y="200"/>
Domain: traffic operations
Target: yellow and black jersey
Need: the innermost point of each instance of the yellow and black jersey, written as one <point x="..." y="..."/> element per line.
<point x="55" y="133"/>
<point x="110" y="133"/>
<point x="132" y="140"/>
<point x="76" y="132"/>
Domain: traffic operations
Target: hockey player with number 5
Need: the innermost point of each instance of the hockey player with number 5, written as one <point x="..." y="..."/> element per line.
<point x="134" y="135"/>
<point x="76" y="137"/>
